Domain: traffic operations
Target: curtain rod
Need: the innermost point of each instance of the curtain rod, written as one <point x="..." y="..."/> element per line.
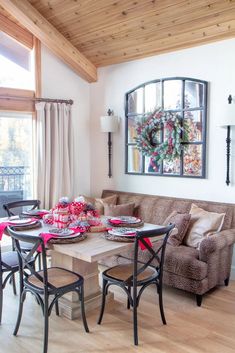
<point x="68" y="101"/>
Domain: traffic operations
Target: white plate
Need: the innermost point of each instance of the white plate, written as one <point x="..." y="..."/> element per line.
<point x="35" y="212"/>
<point x="64" y="232"/>
<point x="125" y="219"/>
<point x="122" y="232"/>
<point x="20" y="221"/>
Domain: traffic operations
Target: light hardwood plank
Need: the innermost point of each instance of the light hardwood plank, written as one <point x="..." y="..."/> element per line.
<point x="189" y="329"/>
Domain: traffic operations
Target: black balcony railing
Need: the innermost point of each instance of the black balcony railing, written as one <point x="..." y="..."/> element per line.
<point x="15" y="185"/>
<point x="15" y="178"/>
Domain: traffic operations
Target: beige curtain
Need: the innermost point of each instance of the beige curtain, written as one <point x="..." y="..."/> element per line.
<point x="53" y="152"/>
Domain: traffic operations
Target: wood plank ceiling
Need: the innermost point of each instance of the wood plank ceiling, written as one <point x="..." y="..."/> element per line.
<point x="114" y="31"/>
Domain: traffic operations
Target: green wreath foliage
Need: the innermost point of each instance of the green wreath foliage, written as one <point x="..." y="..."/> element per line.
<point x="148" y="141"/>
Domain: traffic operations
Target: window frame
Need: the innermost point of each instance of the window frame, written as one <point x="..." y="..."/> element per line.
<point x="182" y="109"/>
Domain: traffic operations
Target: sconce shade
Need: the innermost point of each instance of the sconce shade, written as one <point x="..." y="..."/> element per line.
<point x="109" y="123"/>
<point x="228" y="115"/>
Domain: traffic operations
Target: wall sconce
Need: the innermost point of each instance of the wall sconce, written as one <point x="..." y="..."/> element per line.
<point x="109" y="124"/>
<point x="229" y="121"/>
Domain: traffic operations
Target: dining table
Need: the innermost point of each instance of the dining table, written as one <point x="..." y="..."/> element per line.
<point x="83" y="257"/>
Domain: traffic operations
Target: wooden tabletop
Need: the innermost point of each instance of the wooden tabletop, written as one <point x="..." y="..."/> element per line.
<point x="94" y="248"/>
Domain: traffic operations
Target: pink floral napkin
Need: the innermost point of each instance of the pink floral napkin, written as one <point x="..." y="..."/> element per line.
<point x="47" y="236"/>
<point x="3" y="226"/>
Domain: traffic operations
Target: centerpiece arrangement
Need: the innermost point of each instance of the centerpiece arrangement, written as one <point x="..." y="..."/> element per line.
<point x="73" y="215"/>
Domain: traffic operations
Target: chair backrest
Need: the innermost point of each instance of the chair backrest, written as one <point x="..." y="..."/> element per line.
<point x="17" y="206"/>
<point x="25" y="259"/>
<point x="156" y="256"/>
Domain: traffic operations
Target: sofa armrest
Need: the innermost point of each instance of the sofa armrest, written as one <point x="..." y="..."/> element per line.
<point x="216" y="242"/>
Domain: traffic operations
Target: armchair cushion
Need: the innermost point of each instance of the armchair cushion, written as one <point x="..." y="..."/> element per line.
<point x="203" y="223"/>
<point x="181" y="221"/>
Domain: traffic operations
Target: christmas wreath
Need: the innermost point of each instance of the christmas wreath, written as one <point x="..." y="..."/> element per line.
<point x="151" y="143"/>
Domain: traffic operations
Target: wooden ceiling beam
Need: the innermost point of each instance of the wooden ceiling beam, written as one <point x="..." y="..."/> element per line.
<point x="15" y="31"/>
<point x="26" y="14"/>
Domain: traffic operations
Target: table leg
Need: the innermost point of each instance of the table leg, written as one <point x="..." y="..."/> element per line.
<point x="69" y="304"/>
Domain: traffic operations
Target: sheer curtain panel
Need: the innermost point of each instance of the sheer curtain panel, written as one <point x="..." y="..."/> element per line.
<point x="53" y="152"/>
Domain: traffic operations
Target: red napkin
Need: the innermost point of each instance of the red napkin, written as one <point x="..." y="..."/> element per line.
<point x="47" y="236"/>
<point x="141" y="245"/>
<point x="148" y="241"/>
<point x="116" y="221"/>
<point x="3" y="226"/>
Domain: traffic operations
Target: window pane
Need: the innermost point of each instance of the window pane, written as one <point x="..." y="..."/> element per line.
<point x="135" y="101"/>
<point x="193" y="160"/>
<point x="151" y="167"/>
<point x="132" y="121"/>
<point x="172" y="94"/>
<point x="15" y="157"/>
<point x="193" y="94"/>
<point x="172" y="167"/>
<point x="134" y="160"/>
<point x="193" y="119"/>
<point x="153" y="97"/>
<point x="16" y="63"/>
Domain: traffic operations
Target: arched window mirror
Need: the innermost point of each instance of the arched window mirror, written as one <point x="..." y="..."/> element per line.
<point x="188" y="98"/>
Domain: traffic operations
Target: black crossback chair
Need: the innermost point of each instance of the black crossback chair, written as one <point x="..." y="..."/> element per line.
<point x="138" y="274"/>
<point x="14" y="209"/>
<point x="9" y="265"/>
<point x="54" y="281"/>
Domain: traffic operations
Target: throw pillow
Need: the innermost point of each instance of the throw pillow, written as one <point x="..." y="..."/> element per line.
<point x="99" y="203"/>
<point x="203" y="223"/>
<point x="181" y="221"/>
<point x="125" y="209"/>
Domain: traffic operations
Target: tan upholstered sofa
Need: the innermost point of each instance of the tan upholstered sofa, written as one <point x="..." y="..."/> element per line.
<point x="186" y="268"/>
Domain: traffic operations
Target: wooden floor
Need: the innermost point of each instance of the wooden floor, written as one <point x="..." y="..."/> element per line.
<point x="209" y="329"/>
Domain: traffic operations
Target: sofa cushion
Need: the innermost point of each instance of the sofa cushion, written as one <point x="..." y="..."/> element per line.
<point x="154" y="208"/>
<point x="203" y="223"/>
<point x="125" y="209"/>
<point x="181" y="221"/>
<point x="99" y="202"/>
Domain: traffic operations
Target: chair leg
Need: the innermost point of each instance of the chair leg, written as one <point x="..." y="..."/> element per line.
<point x="226" y="281"/>
<point x="161" y="304"/>
<point x="57" y="308"/>
<point x="81" y="296"/>
<point x="13" y="282"/>
<point x="20" y="311"/>
<point x="128" y="301"/>
<point x="103" y="301"/>
<point x="46" y="325"/>
<point x="135" y="323"/>
<point x="1" y="298"/>
<point x="199" y="299"/>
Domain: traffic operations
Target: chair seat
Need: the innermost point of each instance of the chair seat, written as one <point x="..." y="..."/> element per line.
<point x="123" y="272"/>
<point x="58" y="277"/>
<point x="25" y="246"/>
<point x="10" y="258"/>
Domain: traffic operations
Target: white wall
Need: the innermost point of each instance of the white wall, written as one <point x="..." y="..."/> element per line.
<point x="59" y="81"/>
<point x="213" y="63"/>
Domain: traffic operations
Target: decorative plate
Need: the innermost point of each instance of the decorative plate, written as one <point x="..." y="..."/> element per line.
<point x="68" y="239"/>
<point x="21" y="222"/>
<point x="35" y="212"/>
<point x="63" y="232"/>
<point x="122" y="232"/>
<point x="125" y="219"/>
